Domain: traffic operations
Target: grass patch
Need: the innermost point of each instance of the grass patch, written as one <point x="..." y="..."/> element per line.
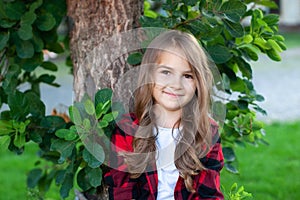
<point x="13" y="174"/>
<point x="270" y="172"/>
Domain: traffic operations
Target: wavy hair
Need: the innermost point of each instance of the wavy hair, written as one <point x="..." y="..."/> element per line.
<point x="195" y="136"/>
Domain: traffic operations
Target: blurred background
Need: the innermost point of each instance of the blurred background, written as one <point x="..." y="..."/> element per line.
<point x="267" y="171"/>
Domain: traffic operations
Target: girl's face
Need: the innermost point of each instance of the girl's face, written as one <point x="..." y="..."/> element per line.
<point x="174" y="82"/>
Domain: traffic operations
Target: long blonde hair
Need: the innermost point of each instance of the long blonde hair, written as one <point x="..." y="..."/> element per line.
<point x="196" y="138"/>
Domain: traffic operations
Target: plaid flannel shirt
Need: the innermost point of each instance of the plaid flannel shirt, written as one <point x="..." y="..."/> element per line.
<point x="122" y="187"/>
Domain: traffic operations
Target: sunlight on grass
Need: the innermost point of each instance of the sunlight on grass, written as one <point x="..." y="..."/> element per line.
<point x="13" y="174"/>
<point x="270" y="172"/>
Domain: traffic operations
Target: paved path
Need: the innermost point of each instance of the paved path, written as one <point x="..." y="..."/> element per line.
<point x="278" y="82"/>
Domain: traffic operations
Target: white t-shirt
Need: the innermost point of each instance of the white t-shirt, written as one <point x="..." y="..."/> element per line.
<point x="166" y="170"/>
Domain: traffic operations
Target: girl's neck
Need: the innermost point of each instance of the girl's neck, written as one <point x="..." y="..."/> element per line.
<point x="166" y="119"/>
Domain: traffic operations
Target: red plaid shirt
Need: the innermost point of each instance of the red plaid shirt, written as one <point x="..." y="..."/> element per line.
<point x="122" y="187"/>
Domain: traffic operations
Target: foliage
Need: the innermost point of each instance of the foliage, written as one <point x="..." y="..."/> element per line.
<point x="234" y="33"/>
<point x="29" y="27"/>
<point x="237" y="193"/>
<point x="77" y="149"/>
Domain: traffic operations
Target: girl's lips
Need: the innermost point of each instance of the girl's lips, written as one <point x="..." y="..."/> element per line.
<point x="172" y="94"/>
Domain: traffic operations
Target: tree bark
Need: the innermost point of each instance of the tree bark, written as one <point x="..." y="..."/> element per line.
<point x="91" y="22"/>
<point x="95" y="65"/>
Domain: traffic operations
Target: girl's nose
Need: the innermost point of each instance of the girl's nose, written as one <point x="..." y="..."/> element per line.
<point x="175" y="82"/>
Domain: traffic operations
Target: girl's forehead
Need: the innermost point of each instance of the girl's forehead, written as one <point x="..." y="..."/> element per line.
<point x="173" y="53"/>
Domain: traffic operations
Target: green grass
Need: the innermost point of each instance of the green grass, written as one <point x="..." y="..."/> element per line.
<point x="13" y="174"/>
<point x="270" y="172"/>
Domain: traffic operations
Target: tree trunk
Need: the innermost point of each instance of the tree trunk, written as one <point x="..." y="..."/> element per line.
<point x="91" y="22"/>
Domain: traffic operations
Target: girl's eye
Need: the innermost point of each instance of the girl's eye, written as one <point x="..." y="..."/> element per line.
<point x="188" y="76"/>
<point x="165" y="72"/>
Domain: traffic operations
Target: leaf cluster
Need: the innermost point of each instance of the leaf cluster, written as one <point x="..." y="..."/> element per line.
<point x="234" y="33"/>
<point x="27" y="28"/>
<point x="77" y="149"/>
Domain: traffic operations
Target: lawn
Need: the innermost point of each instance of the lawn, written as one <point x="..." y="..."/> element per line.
<point x="268" y="172"/>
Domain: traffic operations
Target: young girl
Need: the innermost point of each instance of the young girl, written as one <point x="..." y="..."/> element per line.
<point x="170" y="147"/>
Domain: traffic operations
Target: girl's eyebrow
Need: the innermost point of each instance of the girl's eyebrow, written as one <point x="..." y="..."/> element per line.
<point x="170" y="68"/>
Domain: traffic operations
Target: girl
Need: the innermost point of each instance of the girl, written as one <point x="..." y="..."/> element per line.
<point x="170" y="147"/>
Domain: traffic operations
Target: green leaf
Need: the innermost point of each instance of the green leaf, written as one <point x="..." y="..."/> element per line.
<point x="90" y="159"/>
<point x="235" y="29"/>
<point x="231" y="168"/>
<point x="11" y="80"/>
<point x="220" y="54"/>
<point x="95" y="177"/>
<point x="271" y="19"/>
<point x="229" y="154"/>
<point x="274" y="55"/>
<point x="103" y="95"/>
<point x="25" y="32"/>
<point x="274" y="45"/>
<point x="268" y="3"/>
<point x="28" y="18"/>
<point x="19" y="140"/>
<point x="37" y="42"/>
<point x="75" y="115"/>
<point x="83" y="180"/>
<point x="226" y="81"/>
<point x="257" y="125"/>
<point x="19" y="105"/>
<point x="65" y="149"/>
<point x="46" y="78"/>
<point x="36" y="107"/>
<point x="244" y="67"/>
<point x="6" y="127"/>
<point x="33" y="177"/>
<point x="53" y="122"/>
<point x="45" y="22"/>
<point x="55" y="47"/>
<point x="66" y="134"/>
<point x="30" y="64"/>
<point x="60" y="176"/>
<point x="110" y="116"/>
<point x="96" y="150"/>
<point x="4" y="37"/>
<point x="89" y="107"/>
<point x="150" y="22"/>
<point x="103" y="124"/>
<point x="86" y="124"/>
<point x="261" y="43"/>
<point x="238" y="85"/>
<point x="67" y="185"/>
<point x="4" y="141"/>
<point x="233" y="10"/>
<point x="49" y="66"/>
<point x="6" y="23"/>
<point x="36" y="4"/>
<point x="135" y="58"/>
<point x="15" y="10"/>
<point x="251" y="51"/>
<point x="24" y="48"/>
